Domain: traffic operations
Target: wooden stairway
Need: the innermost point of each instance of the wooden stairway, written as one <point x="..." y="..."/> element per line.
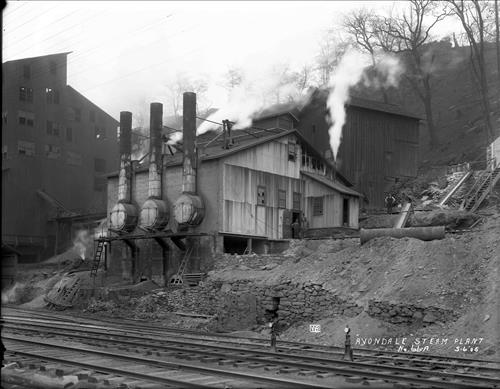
<point x="97" y="258"/>
<point x="177" y="278"/>
<point x="480" y="190"/>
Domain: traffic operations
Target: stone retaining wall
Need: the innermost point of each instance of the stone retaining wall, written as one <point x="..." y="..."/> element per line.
<point x="409" y="314"/>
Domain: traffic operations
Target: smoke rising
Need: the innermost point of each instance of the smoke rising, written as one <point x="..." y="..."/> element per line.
<point x="82" y="243"/>
<point x="351" y="70"/>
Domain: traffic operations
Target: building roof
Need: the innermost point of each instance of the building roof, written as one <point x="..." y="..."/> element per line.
<point x="245" y="140"/>
<point x="73" y="90"/>
<point x="38" y="57"/>
<point x="371" y="104"/>
<point x="332" y="184"/>
<point x="291" y="108"/>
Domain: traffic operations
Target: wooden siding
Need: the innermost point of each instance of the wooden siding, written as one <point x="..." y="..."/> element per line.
<point x="376" y="147"/>
<point x="241" y="213"/>
<point x="271" y="157"/>
<point x="332" y="206"/>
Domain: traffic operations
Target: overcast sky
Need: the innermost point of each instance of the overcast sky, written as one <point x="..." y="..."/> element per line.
<point x="125" y="52"/>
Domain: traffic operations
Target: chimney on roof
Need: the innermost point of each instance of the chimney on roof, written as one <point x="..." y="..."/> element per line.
<point x="124" y="187"/>
<point x="227" y="136"/>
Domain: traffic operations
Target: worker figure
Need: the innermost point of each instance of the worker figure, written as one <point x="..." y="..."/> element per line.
<point x="390" y="201"/>
<point x="295" y="229"/>
<point x="347" y="349"/>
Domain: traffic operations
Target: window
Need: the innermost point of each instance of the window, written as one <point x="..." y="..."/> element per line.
<point x="78" y="114"/>
<point x="296" y="200"/>
<point x="261" y="195"/>
<point x="56" y="97"/>
<point x="55" y="129"/>
<point x="5" y="114"/>
<point x="22" y="93"/>
<point x="53" y="67"/>
<point x="52" y="151"/>
<point x="99" y="165"/>
<point x="27" y="71"/>
<point x="49" y="95"/>
<point x="317" y="206"/>
<point x="281" y="198"/>
<point x="26" y="148"/>
<point x="100" y="133"/>
<point x="73" y="158"/>
<point x="29" y="95"/>
<point x="69" y="134"/>
<point x="49" y="127"/>
<point x="26" y="118"/>
<point x="292" y="152"/>
<point x="92" y="116"/>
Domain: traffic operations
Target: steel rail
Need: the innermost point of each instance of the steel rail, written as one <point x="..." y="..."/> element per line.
<point x="411" y="357"/>
<point x="217" y="372"/>
<point x="290" y="360"/>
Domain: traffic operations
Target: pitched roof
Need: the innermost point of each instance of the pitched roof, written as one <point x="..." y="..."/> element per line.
<point x="332" y="184"/>
<point x="291" y="108"/>
<point x="39" y="56"/>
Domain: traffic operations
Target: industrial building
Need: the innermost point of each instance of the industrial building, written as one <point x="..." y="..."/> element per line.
<point x="379" y="144"/>
<point x="57" y="147"/>
<point x="230" y="191"/>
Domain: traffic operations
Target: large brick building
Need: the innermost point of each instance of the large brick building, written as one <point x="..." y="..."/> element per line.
<point x="56" y="148"/>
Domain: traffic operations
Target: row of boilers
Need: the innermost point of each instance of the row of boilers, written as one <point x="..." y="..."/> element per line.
<point x="188" y="209"/>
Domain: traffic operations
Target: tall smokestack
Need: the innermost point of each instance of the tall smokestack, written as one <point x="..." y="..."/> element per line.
<point x="189" y="136"/>
<point x="124" y="179"/>
<point x="123" y="216"/>
<point x="155" y="127"/>
<point x="154" y="212"/>
<point x="189" y="209"/>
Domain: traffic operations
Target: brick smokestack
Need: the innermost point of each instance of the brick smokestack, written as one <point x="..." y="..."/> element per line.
<point x="124" y="180"/>
<point x="189" y="135"/>
<point x="155" y="127"/>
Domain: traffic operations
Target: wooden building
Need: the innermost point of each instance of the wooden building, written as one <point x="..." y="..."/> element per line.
<point x="379" y="143"/>
<point x="252" y="193"/>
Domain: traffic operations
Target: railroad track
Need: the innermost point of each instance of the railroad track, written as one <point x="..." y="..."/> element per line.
<point x="253" y="361"/>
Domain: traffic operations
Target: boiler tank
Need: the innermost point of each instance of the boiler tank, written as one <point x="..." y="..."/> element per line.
<point x="123" y="217"/>
<point x="189" y="210"/>
<point x="154" y="214"/>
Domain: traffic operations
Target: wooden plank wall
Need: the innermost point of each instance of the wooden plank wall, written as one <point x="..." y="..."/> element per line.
<point x="241" y="214"/>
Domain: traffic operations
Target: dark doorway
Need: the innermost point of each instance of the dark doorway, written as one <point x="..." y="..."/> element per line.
<point x="345" y="212"/>
<point x="234" y="245"/>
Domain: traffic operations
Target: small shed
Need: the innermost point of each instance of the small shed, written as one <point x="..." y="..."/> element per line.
<point x="10" y="257"/>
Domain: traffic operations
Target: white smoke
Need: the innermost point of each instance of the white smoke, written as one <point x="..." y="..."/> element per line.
<point x="82" y="242"/>
<point x="350" y="71"/>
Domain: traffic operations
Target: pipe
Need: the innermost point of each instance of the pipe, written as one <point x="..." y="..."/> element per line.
<point x="155" y="126"/>
<point x="422" y="233"/>
<point x="124" y="186"/>
<point x="189" y="135"/>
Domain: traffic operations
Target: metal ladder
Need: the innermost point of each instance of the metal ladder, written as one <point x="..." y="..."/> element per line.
<point x="177" y="278"/>
<point x="480" y="190"/>
<point x="97" y="258"/>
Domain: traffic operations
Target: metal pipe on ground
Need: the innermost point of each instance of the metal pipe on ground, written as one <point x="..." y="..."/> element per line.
<point x="422" y="233"/>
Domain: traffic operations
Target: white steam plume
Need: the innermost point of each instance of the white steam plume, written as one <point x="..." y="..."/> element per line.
<point x="350" y="71"/>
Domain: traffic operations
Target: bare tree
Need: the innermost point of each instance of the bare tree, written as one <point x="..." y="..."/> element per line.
<point x="233" y="78"/>
<point x="332" y="48"/>
<point x="472" y="15"/>
<point x="409" y="35"/>
<point x="183" y="84"/>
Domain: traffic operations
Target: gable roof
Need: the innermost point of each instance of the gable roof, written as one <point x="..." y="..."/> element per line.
<point x="38" y="57"/>
<point x="215" y="151"/>
<point x="291" y="108"/>
<point x="331" y="184"/>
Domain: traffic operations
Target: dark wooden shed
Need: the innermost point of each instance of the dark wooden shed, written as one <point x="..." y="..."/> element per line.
<point x="379" y="143"/>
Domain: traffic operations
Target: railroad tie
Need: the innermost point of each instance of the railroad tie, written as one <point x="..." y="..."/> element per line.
<point x="225" y="362"/>
<point x="287" y="370"/>
<point x="307" y="373"/>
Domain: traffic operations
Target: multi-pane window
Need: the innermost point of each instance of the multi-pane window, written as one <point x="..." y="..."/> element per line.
<point x="317" y="206"/>
<point x="52" y="151"/>
<point x="261" y="195"/>
<point x="100" y="133"/>
<point x="55" y="128"/>
<point x="292" y="153"/>
<point x="100" y="165"/>
<point x="26" y="94"/>
<point x="281" y="198"/>
<point x="26" y="118"/>
<point x="296" y="200"/>
<point x="52" y="95"/>
<point x="27" y="71"/>
<point x="69" y="134"/>
<point x="26" y="148"/>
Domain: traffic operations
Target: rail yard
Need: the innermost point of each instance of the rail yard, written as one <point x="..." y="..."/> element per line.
<point x="65" y="349"/>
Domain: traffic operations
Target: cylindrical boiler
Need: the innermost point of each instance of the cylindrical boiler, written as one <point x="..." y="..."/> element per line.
<point x="189" y="210"/>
